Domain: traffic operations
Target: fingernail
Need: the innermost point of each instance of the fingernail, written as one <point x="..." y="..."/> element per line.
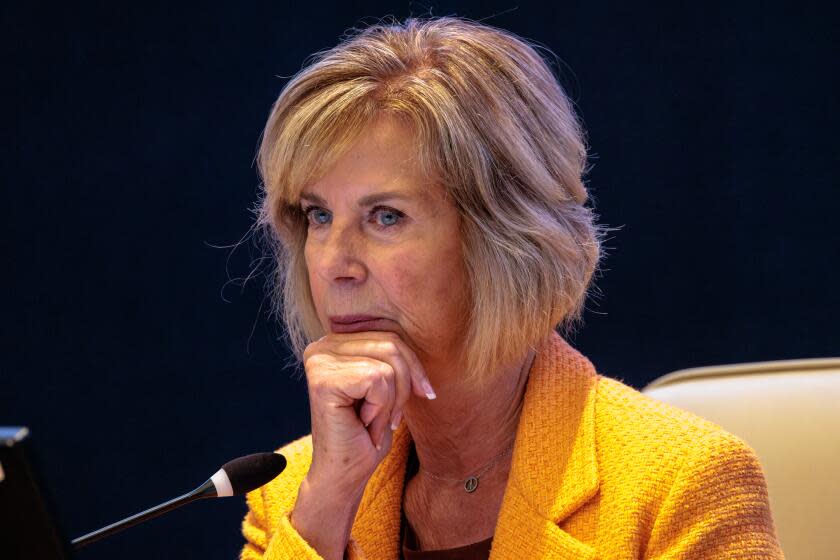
<point x="396" y="422"/>
<point x="427" y="388"/>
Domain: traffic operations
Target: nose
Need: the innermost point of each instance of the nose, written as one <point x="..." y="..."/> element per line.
<point x="338" y="255"/>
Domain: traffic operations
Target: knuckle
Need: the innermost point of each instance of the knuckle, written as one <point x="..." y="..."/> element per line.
<point x="379" y="384"/>
<point x="311" y="363"/>
<point x="317" y="387"/>
<point x="386" y="347"/>
<point x="383" y="371"/>
<point x="389" y="335"/>
<point x="311" y="348"/>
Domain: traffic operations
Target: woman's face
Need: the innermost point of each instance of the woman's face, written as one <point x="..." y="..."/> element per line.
<point x="385" y="242"/>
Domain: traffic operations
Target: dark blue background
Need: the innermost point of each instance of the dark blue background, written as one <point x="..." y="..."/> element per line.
<point x="140" y="357"/>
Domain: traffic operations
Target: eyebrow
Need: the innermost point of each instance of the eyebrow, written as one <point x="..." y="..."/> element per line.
<point x="365" y="200"/>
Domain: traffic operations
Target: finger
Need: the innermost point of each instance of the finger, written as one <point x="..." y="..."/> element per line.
<point x="387" y="346"/>
<point x="385" y="442"/>
<point x="378" y="428"/>
<point x="362" y="379"/>
<point x="368" y="412"/>
<point x="402" y="391"/>
<point x="390" y="352"/>
<point x="395" y="419"/>
<point x="376" y="411"/>
<point x="420" y="382"/>
<point x="379" y="408"/>
<point x="385" y="428"/>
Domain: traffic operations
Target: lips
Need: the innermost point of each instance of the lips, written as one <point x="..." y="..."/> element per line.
<point x="344" y="319"/>
<point x="355" y="323"/>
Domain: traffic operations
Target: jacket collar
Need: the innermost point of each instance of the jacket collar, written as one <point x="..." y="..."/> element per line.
<point x="553" y="472"/>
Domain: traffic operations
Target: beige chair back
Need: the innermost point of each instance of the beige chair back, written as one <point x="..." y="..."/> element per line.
<point x="789" y="413"/>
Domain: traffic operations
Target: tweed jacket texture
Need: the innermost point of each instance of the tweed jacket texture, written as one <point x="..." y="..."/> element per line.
<point x="599" y="471"/>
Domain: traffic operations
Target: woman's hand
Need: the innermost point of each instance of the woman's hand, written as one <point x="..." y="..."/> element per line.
<point x="358" y="385"/>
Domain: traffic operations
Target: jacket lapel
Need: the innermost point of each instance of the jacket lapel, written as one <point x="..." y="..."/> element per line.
<point x="375" y="534"/>
<point x="553" y="471"/>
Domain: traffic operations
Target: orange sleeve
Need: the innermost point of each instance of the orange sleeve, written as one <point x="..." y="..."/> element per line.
<point x="280" y="543"/>
<point x="718" y="506"/>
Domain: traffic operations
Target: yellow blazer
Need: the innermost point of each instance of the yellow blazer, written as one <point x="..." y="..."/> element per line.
<point x="599" y="470"/>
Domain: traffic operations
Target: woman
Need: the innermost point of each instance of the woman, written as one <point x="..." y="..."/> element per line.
<point x="423" y="187"/>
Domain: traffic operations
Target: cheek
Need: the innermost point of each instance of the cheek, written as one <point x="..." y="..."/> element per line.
<point x="316" y="287"/>
<point x="431" y="288"/>
<point x="405" y="279"/>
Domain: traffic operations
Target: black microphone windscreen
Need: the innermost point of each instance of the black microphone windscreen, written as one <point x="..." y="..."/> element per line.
<point x="252" y="471"/>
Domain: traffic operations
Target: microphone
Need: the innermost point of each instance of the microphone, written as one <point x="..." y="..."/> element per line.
<point x="235" y="478"/>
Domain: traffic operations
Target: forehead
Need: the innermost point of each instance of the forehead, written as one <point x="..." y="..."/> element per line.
<point x="380" y="164"/>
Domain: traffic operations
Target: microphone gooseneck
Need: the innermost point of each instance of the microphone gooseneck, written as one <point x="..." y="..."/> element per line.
<point x="235" y="478"/>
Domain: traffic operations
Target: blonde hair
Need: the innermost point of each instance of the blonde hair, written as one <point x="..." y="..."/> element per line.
<point x="493" y="127"/>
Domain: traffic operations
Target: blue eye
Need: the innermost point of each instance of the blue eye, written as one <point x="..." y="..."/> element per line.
<point x="382" y="217"/>
<point x="316" y="215"/>
<point x="390" y="217"/>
